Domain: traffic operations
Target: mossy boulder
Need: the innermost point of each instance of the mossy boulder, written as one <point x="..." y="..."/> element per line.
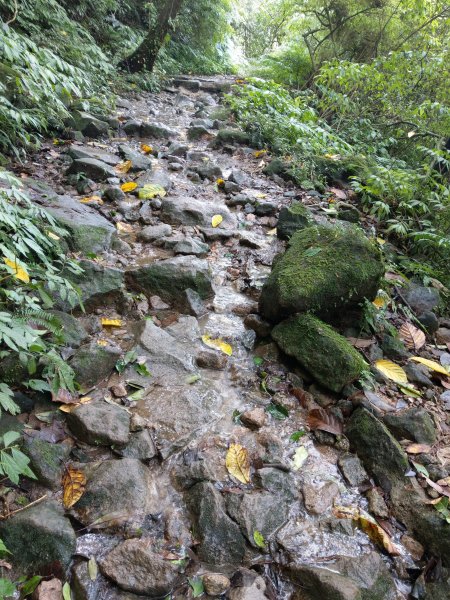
<point x="280" y="167"/>
<point x="92" y="363"/>
<point x="230" y="137"/>
<point x="40" y="539"/>
<point x="322" y="351"/>
<point x="325" y="270"/>
<point x="47" y="460"/>
<point x="293" y="218"/>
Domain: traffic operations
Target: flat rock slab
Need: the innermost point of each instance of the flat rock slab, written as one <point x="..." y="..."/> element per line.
<point x="135" y="567"/>
<point x="88" y="230"/>
<point x="100" y="423"/>
<point x="92" y="363"/>
<point x="76" y="151"/>
<point x="91" y="167"/>
<point x="189" y="211"/>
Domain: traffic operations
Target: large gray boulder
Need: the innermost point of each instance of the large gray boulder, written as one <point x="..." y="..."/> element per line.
<point x="100" y="423"/>
<point x="92" y="168"/>
<point x="189" y="211"/>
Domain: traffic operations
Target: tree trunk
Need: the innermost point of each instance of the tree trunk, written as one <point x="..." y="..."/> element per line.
<point x="144" y="57"/>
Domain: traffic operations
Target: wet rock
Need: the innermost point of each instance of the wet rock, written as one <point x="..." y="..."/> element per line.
<point x="191" y="246"/>
<point x="46" y="460"/>
<point x="155" y="232"/>
<point x="198" y="132"/>
<point x="352" y="469"/>
<point x="231" y="188"/>
<point x="100" y="423"/>
<point x="319" y="498"/>
<point x="215" y="584"/>
<point x="92" y="168"/>
<point x="218" y="234"/>
<point x="157" y="130"/>
<point x="92" y="363"/>
<point x="221" y="542"/>
<point x="417" y="374"/>
<point x="429" y="321"/>
<point x="83" y="587"/>
<point x="380" y="452"/>
<point x="134" y="566"/>
<point x="189" y="211"/>
<point x="443" y="335"/>
<point x="49" y="590"/>
<point x="141" y="446"/>
<point x="255" y="512"/>
<point x="76" y="151"/>
<point x="175" y="166"/>
<point x="88" y="230"/>
<point x="208" y="170"/>
<point x="324" y="353"/>
<point x="357" y="578"/>
<point x="421" y="299"/>
<point x="39" y="538"/>
<point x="239" y="177"/>
<point x="265" y="208"/>
<point x="132" y="127"/>
<point x="414" y="424"/>
<point x="177" y="149"/>
<point x="279" y="167"/>
<point x="258" y="325"/>
<point x="394" y="348"/>
<point x="325" y="269"/>
<point x="247" y="585"/>
<point x="157" y="304"/>
<point x="189" y="84"/>
<point x="194" y="303"/>
<point x="208" y="359"/>
<point x="113" y="193"/>
<point x="350" y="214"/>
<point x="73" y="332"/>
<point x="170" y="278"/>
<point x="273" y="480"/>
<point x="164" y="348"/>
<point x="157" y="177"/>
<point x="377" y="505"/>
<point x="230" y="137"/>
<point x="254" y="419"/>
<point x="89" y="125"/>
<point x="98" y="285"/>
<point x="122" y="488"/>
<point x="413" y="546"/>
<point x="139" y="161"/>
<point x="293" y="218"/>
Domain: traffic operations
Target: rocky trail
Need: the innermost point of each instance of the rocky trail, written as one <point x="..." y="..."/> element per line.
<point x="219" y="445"/>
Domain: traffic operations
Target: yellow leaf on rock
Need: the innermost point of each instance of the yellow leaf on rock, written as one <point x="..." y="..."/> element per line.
<point x="381" y="300"/>
<point x="151" y="190"/>
<point x="124" y="166"/>
<point x="217" y="344"/>
<point x="260" y="196"/>
<point x="220" y="182"/>
<point x="91" y="199"/>
<point x="370" y="527"/>
<point x="74" y="484"/>
<point x="392" y="371"/>
<point x="431" y="364"/>
<point x="130" y="186"/>
<point x="216" y="220"/>
<point x="124" y="227"/>
<point x="272" y="232"/>
<point x="259" y="153"/>
<point x="19" y="271"/>
<point x="111" y="322"/>
<point x="102" y="343"/>
<point x="238" y="463"/>
<point x="146" y="149"/>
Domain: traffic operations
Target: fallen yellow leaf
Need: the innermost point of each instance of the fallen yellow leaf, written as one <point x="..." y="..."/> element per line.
<point x="130" y="186"/>
<point x="19" y="271"/>
<point x="74" y="484"/>
<point x="370" y="527"/>
<point x="220" y="182"/>
<point x="431" y="364"/>
<point x="111" y="322"/>
<point x="272" y="232"/>
<point x="124" y="227"/>
<point x="124" y="166"/>
<point x="102" y="343"/>
<point x="53" y="236"/>
<point x="381" y="300"/>
<point x="217" y="344"/>
<point x="91" y="199"/>
<point x="216" y="220"/>
<point x="238" y="463"/>
<point x="392" y="371"/>
<point x="146" y="149"/>
<point x="259" y="153"/>
<point x="151" y="190"/>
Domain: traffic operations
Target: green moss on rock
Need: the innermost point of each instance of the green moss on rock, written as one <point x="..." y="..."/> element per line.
<point x="293" y="218"/>
<point x="325" y="270"/>
<point x="230" y="136"/>
<point x="320" y="350"/>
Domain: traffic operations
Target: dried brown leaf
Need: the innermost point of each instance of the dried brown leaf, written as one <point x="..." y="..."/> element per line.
<point x="413" y="337"/>
<point x="65" y="397"/>
<point x="74" y="484"/>
<point x="319" y="418"/>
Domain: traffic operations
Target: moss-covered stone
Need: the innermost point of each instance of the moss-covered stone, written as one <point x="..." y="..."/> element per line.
<point x="46" y="460"/>
<point x="414" y="424"/>
<point x="380" y="452"/>
<point x="319" y="349"/>
<point x="279" y="167"/>
<point x="170" y="278"/>
<point x="325" y="270"/>
<point x="40" y="539"/>
<point x="92" y="363"/>
<point x="293" y="218"/>
<point x="230" y="136"/>
<point x="73" y="332"/>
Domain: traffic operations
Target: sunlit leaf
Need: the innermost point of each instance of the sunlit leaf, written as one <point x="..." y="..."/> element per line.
<point x="431" y="364"/>
<point x="124" y="166"/>
<point x="392" y="371"/>
<point x="91" y="200"/>
<point x="111" y="322"/>
<point x="129" y="186"/>
<point x="74" y="484"/>
<point x="218" y="344"/>
<point x="92" y="569"/>
<point x="216" y="220"/>
<point x="300" y="456"/>
<point x="151" y="190"/>
<point x="53" y="236"/>
<point x="67" y="594"/>
<point x="196" y="585"/>
<point x="146" y="149"/>
<point x="238" y="463"/>
<point x="124" y="227"/>
<point x="19" y="271"/>
<point x="259" y="540"/>
<point x="370" y="527"/>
